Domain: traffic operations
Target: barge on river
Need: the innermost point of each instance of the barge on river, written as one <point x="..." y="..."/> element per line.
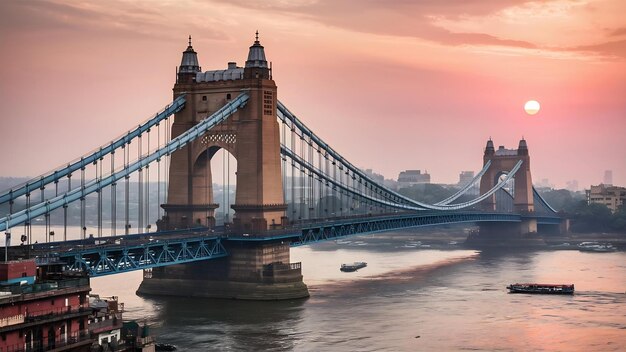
<point x="352" y="267"/>
<point x="558" y="289"/>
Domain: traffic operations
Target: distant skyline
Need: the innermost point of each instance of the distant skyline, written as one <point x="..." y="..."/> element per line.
<point x="391" y="85"/>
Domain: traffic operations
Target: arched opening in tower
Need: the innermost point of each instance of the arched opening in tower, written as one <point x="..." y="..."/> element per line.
<point x="506" y="194"/>
<point x="224" y="184"/>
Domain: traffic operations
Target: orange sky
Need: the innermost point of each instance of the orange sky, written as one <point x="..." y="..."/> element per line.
<point x="415" y="85"/>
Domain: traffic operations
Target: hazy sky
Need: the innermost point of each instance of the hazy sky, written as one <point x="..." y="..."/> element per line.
<point x="391" y="85"/>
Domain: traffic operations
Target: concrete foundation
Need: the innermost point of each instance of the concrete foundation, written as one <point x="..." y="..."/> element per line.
<point x="223" y="289"/>
<point x="252" y="271"/>
<point x="520" y="235"/>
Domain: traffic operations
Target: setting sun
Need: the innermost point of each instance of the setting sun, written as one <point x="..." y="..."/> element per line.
<point x="532" y="107"/>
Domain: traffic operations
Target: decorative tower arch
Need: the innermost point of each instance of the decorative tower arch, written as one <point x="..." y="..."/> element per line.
<point x="502" y="161"/>
<point x="251" y="135"/>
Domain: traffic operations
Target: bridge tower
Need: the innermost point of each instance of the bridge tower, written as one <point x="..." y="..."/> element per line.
<point x="258" y="270"/>
<point x="251" y="135"/>
<point x="503" y="160"/>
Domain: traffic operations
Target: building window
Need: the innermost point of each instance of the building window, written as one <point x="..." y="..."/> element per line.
<point x="228" y="96"/>
<point x="204" y="98"/>
<point x="268" y="103"/>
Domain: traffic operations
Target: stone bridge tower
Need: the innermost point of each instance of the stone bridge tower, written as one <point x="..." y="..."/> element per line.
<point x="256" y="267"/>
<point x="502" y="161"/>
<point x="251" y="135"/>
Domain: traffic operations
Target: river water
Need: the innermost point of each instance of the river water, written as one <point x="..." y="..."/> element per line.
<point x="408" y="298"/>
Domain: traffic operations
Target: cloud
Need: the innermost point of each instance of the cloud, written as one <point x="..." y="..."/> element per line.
<point x="404" y="18"/>
<point x="618" y="32"/>
<point x="121" y="17"/>
<point x="615" y="48"/>
<point x="349" y="8"/>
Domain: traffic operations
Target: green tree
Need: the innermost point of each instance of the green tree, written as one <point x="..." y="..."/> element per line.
<point x="591" y="217"/>
<point x="618" y="220"/>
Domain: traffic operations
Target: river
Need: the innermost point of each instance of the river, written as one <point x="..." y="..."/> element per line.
<point x="408" y="298"/>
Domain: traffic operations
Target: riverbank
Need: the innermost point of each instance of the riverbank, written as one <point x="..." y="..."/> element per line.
<point x="455" y="238"/>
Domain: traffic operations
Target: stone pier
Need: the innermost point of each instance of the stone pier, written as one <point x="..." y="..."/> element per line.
<point x="252" y="271"/>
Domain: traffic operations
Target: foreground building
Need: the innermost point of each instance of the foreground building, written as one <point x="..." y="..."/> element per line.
<point x="43" y="315"/>
<point x="42" y="309"/>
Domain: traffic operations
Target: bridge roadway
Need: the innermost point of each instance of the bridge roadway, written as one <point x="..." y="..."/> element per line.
<point x="116" y="254"/>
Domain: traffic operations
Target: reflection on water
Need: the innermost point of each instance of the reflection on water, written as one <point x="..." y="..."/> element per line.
<point x="406" y="299"/>
<point x="246" y="326"/>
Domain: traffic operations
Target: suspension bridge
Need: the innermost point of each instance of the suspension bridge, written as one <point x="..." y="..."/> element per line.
<point x="292" y="189"/>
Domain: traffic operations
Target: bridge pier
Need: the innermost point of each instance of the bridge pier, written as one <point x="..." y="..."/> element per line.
<point x="252" y="271"/>
<point x="506" y="234"/>
<point x="503" y="234"/>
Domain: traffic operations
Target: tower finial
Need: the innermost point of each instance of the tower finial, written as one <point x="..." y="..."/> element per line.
<point x="190" y="40"/>
<point x="257" y="36"/>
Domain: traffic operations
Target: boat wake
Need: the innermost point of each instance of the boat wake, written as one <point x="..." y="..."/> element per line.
<point x="387" y="280"/>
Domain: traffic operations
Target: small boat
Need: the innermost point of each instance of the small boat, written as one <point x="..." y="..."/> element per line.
<point x="555" y="289"/>
<point x="596" y="247"/>
<point x="352" y="267"/>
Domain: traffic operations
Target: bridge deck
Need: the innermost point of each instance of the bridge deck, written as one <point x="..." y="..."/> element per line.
<point x="116" y="254"/>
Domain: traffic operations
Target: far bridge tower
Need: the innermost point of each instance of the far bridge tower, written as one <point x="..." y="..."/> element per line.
<point x="502" y="161"/>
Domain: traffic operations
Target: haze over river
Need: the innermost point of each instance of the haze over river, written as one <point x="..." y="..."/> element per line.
<point x="408" y="298"/>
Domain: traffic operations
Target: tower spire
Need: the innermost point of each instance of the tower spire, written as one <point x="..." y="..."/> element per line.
<point x="188" y="65"/>
<point x="489" y="149"/>
<point x="256" y="55"/>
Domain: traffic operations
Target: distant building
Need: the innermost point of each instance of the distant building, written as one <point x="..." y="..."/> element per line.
<point x="380" y="179"/>
<point x="391" y="184"/>
<point x="409" y="178"/>
<point x="611" y="196"/>
<point x="572" y="186"/>
<point x="608" y="177"/>
<point x="544" y="184"/>
<point x="465" y="177"/>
